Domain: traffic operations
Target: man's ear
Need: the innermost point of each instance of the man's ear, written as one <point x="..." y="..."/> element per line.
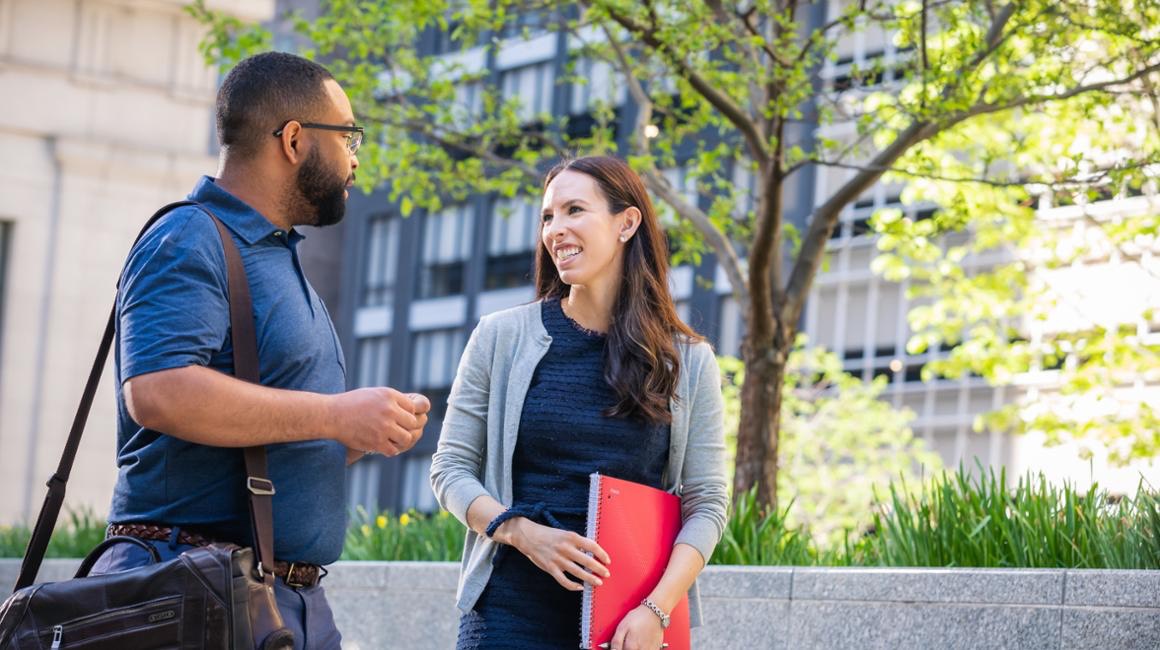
<point x="291" y="141"/>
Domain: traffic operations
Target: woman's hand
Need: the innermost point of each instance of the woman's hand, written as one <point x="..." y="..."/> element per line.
<point x="640" y="629"/>
<point x="559" y="553"/>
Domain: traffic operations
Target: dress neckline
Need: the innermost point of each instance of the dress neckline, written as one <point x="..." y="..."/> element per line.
<point x="558" y="305"/>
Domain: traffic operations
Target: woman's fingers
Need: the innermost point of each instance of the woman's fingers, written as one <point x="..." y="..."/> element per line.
<point x="589" y="564"/>
<point x="564" y="580"/>
<point x="563" y="554"/>
<point x="590" y="546"/>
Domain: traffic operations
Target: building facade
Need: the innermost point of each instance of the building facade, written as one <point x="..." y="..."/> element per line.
<point x="106" y="113"/>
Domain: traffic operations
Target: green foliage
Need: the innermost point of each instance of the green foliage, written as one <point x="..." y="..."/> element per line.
<point x="981" y="521"/>
<point x="410" y="536"/>
<point x="838" y="441"/>
<point x="1006" y="270"/>
<point x="757" y="536"/>
<point x="81" y="530"/>
<point x="950" y="520"/>
<point x="980" y="90"/>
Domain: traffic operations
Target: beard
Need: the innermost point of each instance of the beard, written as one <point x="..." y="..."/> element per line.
<point x="322" y="194"/>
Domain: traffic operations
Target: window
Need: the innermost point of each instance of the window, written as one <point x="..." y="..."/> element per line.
<point x="447" y="239"/>
<point x="374" y="361"/>
<point x="532" y="85"/>
<point x="857" y="218"/>
<point x="363" y="481"/>
<point x="601" y="84"/>
<point x="730" y="328"/>
<point x="515" y="228"/>
<point x="433" y="366"/>
<point x="417" y="492"/>
<point x="533" y="20"/>
<point x="382" y="260"/>
<point x="874" y="69"/>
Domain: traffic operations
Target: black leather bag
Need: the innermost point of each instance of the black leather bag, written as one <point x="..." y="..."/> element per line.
<point x="217" y="596"/>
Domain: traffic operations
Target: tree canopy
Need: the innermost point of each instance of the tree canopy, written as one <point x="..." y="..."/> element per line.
<point x="732" y="94"/>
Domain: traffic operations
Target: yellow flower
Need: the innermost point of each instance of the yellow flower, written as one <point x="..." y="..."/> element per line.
<point x="366" y="530"/>
<point x="381" y="521"/>
<point x="443" y="514"/>
<point x="404" y="519"/>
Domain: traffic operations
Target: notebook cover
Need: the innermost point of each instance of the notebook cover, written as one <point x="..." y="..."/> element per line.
<point x="636" y="525"/>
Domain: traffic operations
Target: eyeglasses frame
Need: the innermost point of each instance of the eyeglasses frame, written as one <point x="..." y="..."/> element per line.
<point x="354" y="141"/>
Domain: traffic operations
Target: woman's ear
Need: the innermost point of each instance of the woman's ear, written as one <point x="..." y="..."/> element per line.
<point x="632" y="218"/>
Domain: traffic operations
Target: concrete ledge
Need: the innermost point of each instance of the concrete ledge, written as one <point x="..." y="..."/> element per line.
<point x="996" y="586"/>
<point x="411" y="605"/>
<point x="1113" y="588"/>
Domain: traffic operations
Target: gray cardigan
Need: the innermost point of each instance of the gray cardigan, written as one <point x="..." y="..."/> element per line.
<point x="474" y="456"/>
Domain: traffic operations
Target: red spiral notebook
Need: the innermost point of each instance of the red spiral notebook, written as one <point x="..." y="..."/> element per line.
<point x="637" y="526"/>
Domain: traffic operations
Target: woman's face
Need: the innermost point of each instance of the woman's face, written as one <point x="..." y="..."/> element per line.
<point x="579" y="233"/>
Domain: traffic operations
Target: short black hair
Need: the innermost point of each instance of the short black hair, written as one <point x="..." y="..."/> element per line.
<point x="264" y="91"/>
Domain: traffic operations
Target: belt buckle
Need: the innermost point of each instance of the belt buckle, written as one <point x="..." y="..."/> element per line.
<point x="289" y="580"/>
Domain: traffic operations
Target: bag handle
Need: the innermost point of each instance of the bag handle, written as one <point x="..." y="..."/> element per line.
<point x="245" y="367"/>
<point x="91" y="559"/>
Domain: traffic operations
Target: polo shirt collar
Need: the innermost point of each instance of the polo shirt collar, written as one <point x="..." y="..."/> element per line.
<point x="246" y="222"/>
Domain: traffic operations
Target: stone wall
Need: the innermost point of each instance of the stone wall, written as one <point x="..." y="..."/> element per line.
<point x="411" y="605"/>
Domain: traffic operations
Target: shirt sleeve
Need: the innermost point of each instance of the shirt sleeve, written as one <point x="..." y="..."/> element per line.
<point x="173" y="306"/>
<point x="704" y="488"/>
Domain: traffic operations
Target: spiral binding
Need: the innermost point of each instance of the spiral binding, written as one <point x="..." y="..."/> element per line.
<point x="588" y="602"/>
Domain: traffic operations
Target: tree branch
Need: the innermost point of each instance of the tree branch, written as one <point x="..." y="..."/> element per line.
<point x="1055" y="183"/>
<point x="643" y="103"/>
<point x="826" y="215"/>
<point x="482" y="153"/>
<point x="721" y="101"/>
<point x="726" y="254"/>
<point x="984" y="108"/>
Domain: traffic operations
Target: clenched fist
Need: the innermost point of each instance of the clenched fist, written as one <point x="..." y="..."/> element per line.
<point x="380" y="419"/>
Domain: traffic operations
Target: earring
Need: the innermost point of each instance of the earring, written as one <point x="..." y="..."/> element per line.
<point x="623" y="238"/>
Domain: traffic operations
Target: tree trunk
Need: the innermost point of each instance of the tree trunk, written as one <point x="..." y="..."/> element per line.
<point x="757" y="434"/>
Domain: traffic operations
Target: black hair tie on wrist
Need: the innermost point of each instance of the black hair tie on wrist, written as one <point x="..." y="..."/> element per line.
<point x="537" y="512"/>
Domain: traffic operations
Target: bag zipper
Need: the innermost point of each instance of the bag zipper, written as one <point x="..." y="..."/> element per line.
<point x="57" y="634"/>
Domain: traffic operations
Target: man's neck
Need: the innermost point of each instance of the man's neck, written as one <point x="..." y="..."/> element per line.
<point x="254" y="190"/>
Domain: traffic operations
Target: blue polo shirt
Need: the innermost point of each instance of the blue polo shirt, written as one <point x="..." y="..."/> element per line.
<point x="172" y="312"/>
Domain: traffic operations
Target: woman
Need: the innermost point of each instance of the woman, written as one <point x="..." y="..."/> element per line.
<point x="598" y="375"/>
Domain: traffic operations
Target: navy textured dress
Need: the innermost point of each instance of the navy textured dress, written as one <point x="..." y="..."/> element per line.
<point x="563" y="437"/>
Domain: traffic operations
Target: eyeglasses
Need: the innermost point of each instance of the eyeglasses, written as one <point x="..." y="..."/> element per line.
<point x="354" y="134"/>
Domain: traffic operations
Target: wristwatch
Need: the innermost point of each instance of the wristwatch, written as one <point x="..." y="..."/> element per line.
<point x="658" y="611"/>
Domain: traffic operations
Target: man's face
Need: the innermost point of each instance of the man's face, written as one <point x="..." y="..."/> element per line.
<point x="323" y="190"/>
<point x="328" y="170"/>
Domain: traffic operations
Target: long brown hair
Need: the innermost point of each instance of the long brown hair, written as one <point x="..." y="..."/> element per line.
<point x="641" y="362"/>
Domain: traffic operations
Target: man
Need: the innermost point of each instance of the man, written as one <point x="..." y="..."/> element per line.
<point x="288" y="140"/>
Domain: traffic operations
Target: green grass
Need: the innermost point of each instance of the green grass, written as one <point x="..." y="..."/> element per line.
<point x="953" y="520"/>
<point x="960" y="521"/>
<point x="410" y="536"/>
<point x="75" y="535"/>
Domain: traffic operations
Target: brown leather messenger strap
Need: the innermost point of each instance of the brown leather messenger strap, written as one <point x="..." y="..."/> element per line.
<point x="246" y="367"/>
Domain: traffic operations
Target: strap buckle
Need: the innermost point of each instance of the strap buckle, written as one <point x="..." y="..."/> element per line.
<point x="260" y="486"/>
<point x="289" y="580"/>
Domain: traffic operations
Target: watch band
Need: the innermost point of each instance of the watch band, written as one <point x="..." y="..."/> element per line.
<point x="658" y="611"/>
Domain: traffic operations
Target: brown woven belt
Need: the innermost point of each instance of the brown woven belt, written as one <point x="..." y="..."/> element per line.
<point x="294" y="574"/>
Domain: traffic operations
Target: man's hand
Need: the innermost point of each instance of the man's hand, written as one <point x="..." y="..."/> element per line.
<point x="380" y="419"/>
